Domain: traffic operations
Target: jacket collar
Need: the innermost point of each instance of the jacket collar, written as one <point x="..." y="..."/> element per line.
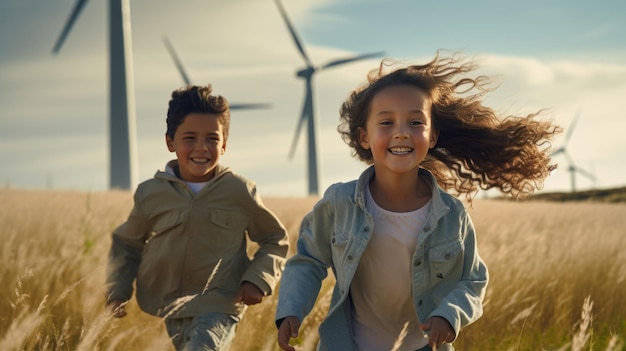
<point x="359" y="192"/>
<point x="438" y="206"/>
<point x="169" y="175"/>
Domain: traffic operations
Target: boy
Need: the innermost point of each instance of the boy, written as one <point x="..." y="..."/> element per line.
<point x="185" y="240"/>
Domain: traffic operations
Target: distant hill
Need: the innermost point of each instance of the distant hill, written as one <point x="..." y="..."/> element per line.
<point x="613" y="195"/>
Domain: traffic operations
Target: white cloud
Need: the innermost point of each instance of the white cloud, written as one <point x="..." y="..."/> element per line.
<point x="250" y="57"/>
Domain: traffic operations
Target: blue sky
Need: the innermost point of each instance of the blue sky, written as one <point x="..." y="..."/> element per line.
<point x="561" y="55"/>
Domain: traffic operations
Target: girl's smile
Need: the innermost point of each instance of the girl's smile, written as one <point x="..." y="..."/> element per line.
<point x="398" y="130"/>
<point x="400" y="150"/>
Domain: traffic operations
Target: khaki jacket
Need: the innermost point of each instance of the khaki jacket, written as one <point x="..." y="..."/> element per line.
<point x="187" y="252"/>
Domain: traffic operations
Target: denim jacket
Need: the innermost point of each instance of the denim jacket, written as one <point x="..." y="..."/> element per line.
<point x="448" y="276"/>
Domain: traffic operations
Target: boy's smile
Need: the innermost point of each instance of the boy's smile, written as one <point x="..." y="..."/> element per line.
<point x="199" y="160"/>
<point x="198" y="143"/>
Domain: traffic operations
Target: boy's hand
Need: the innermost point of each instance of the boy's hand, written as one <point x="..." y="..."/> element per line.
<point x="117" y="308"/>
<point x="288" y="329"/>
<point x="249" y="294"/>
<point x="439" y="331"/>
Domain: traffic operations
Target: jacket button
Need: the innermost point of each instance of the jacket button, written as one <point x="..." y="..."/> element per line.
<point x="418" y="262"/>
<point x="349" y="257"/>
<point x="366" y="229"/>
<point x="419" y="303"/>
<point x="447" y="256"/>
<point x="333" y="240"/>
<point x="426" y="228"/>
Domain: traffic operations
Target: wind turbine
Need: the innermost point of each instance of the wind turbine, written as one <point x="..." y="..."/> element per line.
<point x="572" y="168"/>
<point x="122" y="125"/>
<point x="308" y="111"/>
<point x="183" y="74"/>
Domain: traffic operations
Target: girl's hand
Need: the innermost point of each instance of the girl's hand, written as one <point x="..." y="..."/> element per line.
<point x="439" y="331"/>
<point x="288" y="329"/>
<point x="117" y="308"/>
<point x="249" y="294"/>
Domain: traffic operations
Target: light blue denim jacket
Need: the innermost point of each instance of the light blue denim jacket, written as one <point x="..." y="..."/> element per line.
<point x="449" y="277"/>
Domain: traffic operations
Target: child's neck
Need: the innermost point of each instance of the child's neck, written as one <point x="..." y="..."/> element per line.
<point x="400" y="194"/>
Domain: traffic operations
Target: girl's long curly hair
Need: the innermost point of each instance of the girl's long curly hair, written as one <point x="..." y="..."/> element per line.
<point x="476" y="148"/>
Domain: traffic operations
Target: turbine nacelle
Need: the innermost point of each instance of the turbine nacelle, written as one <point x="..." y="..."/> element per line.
<point x="307" y="116"/>
<point x="557" y="151"/>
<point x="306" y="72"/>
<point x="572" y="168"/>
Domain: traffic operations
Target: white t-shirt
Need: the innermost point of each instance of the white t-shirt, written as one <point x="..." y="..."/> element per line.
<point x="384" y="316"/>
<point x="195" y="187"/>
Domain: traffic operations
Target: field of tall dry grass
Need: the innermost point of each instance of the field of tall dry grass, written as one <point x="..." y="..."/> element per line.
<point x="558" y="277"/>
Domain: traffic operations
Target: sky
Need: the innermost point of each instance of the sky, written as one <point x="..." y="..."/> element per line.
<point x="563" y="55"/>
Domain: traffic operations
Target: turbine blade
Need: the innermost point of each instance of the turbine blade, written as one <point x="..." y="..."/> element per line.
<point x="294" y="34"/>
<point x="351" y="59"/>
<point x="177" y="61"/>
<point x="585" y="173"/>
<point x="570" y="162"/>
<point x="68" y="25"/>
<point x="557" y="152"/>
<point x="303" y="117"/>
<point x="249" y="106"/>
<point x="570" y="130"/>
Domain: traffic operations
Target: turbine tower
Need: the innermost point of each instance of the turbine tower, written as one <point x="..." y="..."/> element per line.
<point x="308" y="111"/>
<point x="185" y="77"/>
<point x="122" y="125"/>
<point x="572" y="168"/>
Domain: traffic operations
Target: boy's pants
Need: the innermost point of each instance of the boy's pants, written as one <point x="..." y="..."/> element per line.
<point x="207" y="332"/>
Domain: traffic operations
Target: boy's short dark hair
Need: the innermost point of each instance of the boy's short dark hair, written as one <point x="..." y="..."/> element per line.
<point x="196" y="99"/>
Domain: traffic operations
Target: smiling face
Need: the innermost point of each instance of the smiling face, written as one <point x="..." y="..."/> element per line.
<point x="399" y="129"/>
<point x="199" y="143"/>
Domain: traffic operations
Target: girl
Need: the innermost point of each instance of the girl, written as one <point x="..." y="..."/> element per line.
<point x="402" y="249"/>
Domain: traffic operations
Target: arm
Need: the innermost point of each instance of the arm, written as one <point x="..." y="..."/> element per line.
<point x="269" y="233"/>
<point x="462" y="305"/>
<point x="124" y="259"/>
<point x="305" y="271"/>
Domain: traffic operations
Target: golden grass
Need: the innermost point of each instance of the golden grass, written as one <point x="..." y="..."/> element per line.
<point x="558" y="277"/>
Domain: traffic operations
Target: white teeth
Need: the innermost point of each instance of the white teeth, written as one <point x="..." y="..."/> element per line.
<point x="199" y="160"/>
<point x="400" y="150"/>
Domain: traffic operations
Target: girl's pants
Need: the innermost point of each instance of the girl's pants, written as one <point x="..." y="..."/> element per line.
<point x="207" y="332"/>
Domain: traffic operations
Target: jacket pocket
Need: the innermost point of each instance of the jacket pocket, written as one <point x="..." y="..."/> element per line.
<point x="444" y="260"/>
<point x="227" y="220"/>
<point x="226" y="229"/>
<point x="164" y="223"/>
<point x="342" y="246"/>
